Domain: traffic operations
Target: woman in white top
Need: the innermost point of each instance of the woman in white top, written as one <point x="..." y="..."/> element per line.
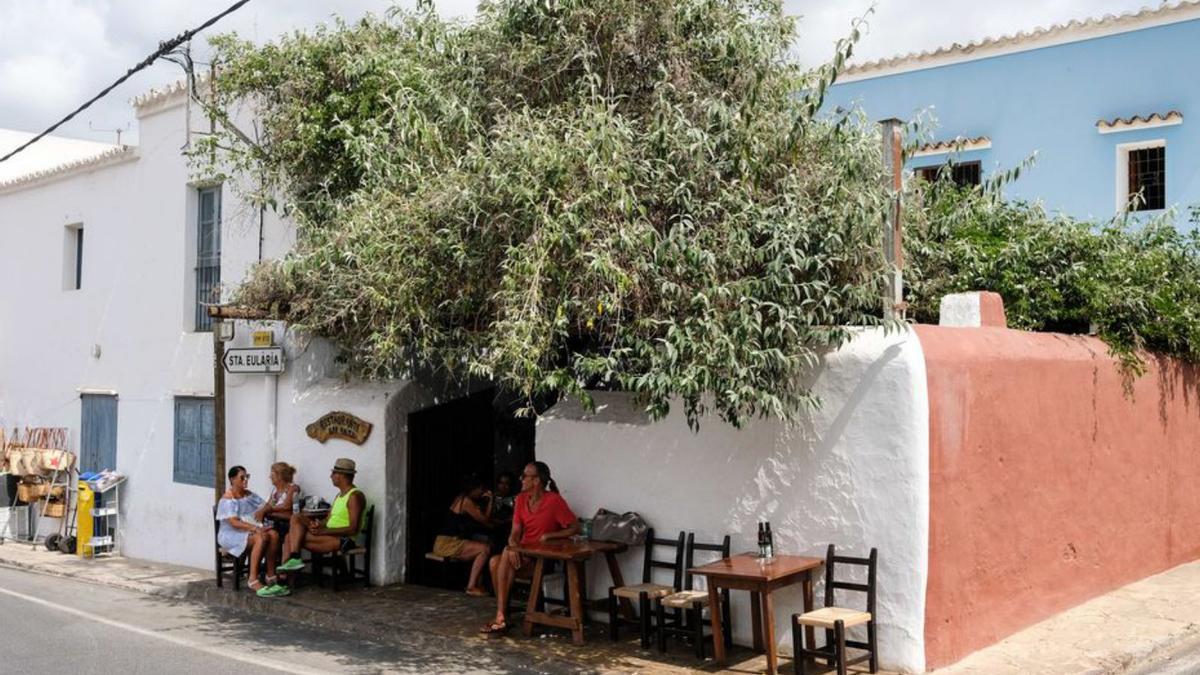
<point x="237" y="511"/>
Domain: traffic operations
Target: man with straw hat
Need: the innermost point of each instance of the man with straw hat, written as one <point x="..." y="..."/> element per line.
<point x="337" y="533"/>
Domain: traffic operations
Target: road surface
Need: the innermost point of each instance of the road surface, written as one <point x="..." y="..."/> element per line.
<point x="54" y="625"/>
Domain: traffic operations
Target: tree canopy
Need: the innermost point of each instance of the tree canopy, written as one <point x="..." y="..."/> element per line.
<point x="564" y="195"/>
<point x="1135" y="282"/>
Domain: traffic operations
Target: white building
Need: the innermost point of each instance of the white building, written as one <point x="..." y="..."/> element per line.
<point x="107" y="339"/>
<point x="103" y="247"/>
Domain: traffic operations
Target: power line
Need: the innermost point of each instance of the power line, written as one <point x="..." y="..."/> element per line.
<point x="163" y="49"/>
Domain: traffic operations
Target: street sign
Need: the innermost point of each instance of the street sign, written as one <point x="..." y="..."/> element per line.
<point x="254" y="360"/>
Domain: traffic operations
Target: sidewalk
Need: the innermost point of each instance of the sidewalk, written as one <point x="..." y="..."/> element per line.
<point x="1133" y="628"/>
<point x="399" y="614"/>
<point x="132" y="575"/>
<point x="1136" y="626"/>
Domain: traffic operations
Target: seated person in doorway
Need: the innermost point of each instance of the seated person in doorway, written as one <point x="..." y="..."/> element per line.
<point x="540" y="515"/>
<point x="337" y="533"/>
<point x="240" y="528"/>
<point x="504" y="497"/>
<point x="464" y="522"/>
<point x="503" y="500"/>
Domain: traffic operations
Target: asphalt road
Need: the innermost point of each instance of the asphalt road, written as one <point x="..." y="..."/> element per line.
<point x="54" y="625"/>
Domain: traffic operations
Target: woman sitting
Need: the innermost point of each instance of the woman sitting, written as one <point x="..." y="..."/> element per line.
<point x="240" y="529"/>
<point x="276" y="513"/>
<point x="464" y="522"/>
<point x="540" y="515"/>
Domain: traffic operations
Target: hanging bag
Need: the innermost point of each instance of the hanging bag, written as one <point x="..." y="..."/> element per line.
<point x="623" y="528"/>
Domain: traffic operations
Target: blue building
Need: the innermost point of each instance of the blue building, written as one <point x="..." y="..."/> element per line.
<point x="1101" y="101"/>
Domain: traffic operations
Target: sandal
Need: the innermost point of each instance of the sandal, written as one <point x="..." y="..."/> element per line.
<point x="477" y="593"/>
<point x="254" y="585"/>
<point x="272" y="581"/>
<point x="494" y="628"/>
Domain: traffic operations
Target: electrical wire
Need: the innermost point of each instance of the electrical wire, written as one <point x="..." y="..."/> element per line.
<point x="163" y="49"/>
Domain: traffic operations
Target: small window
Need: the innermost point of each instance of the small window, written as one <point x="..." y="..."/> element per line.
<point x="194" y="445"/>
<point x="73" y="258"/>
<point x="962" y="173"/>
<point x="1148" y="177"/>
<point x="208" y="255"/>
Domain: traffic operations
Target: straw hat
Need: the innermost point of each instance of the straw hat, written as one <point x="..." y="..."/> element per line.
<point x="346" y="466"/>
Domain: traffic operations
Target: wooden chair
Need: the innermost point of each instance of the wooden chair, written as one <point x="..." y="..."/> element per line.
<point x="345" y="566"/>
<point x="835" y="620"/>
<point x="693" y="602"/>
<point x="648" y="590"/>
<point x="225" y="562"/>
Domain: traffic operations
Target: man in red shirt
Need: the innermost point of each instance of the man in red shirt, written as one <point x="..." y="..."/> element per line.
<point x="539" y="515"/>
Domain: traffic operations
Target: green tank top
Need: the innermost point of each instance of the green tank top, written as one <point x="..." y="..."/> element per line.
<point x="339" y="513"/>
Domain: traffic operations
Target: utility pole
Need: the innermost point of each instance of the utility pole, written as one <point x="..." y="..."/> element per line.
<point x="893" y="231"/>
<point x="218" y="407"/>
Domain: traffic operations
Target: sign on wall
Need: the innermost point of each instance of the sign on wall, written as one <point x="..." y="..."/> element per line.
<point x="338" y="424"/>
<point x="254" y="360"/>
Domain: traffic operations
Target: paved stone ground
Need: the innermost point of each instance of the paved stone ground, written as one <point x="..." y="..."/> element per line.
<point x="404" y="616"/>
<point x="1138" y="628"/>
<point x="1149" y="626"/>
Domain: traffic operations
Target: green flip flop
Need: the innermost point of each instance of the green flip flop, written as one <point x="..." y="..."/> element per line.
<point x="291" y="565"/>
<point x="276" y="591"/>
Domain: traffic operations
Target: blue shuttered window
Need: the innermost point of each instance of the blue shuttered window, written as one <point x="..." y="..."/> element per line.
<point x="194" y="457"/>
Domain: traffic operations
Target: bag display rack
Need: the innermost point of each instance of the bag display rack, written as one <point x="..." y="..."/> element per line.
<point x="36" y="458"/>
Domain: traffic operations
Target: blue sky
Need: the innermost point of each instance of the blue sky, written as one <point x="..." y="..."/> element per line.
<point x="54" y="54"/>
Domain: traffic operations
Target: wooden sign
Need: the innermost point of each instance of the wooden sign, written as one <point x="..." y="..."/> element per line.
<point x="338" y="424"/>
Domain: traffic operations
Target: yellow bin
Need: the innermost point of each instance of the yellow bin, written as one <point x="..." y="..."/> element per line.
<point x="85" y="502"/>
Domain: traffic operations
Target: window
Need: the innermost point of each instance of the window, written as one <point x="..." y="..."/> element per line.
<point x="73" y="258"/>
<point x="962" y="173"/>
<point x="208" y="255"/>
<point x="194" y="429"/>
<point x="1147" y="169"/>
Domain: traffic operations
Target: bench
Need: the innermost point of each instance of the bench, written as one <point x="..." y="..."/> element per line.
<point x="348" y="566"/>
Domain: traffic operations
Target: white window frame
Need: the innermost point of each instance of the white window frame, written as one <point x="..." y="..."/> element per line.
<point x="1122" y="161"/>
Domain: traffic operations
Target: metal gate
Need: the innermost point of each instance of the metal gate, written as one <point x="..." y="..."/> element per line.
<point x="98" y="433"/>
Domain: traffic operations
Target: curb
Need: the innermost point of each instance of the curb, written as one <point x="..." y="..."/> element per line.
<point x="176" y="592"/>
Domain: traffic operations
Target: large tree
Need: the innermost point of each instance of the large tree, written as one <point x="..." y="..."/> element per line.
<point x="562" y="196"/>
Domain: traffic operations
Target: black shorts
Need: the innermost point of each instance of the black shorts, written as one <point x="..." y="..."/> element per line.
<point x="280" y="526"/>
<point x="346" y="543"/>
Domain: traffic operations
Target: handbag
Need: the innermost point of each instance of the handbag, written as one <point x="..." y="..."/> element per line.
<point x="623" y="528"/>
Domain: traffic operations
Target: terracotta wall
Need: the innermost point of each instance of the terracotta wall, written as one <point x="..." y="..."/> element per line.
<point x="1048" y="484"/>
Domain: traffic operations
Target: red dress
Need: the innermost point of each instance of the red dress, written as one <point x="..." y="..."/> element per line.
<point x="551" y="515"/>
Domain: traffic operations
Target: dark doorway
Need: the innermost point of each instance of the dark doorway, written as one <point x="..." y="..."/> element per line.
<point x="478" y="434"/>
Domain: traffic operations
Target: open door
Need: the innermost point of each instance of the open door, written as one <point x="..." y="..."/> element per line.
<point x="445" y="443"/>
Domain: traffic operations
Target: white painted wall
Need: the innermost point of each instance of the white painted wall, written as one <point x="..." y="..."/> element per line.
<point x="854" y="473"/>
<point x="311" y="386"/>
<point x="136" y="305"/>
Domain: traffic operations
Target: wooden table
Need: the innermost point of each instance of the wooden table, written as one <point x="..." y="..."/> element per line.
<point x="748" y="572"/>
<point x="573" y="555"/>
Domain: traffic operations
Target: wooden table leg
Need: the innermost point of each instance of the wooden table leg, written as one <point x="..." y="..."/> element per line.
<point x="768" y="610"/>
<point x="756" y="620"/>
<point x="614" y="571"/>
<point x="576" y="593"/>
<point x="535" y="592"/>
<point x="718" y="630"/>
<point x="810" y="633"/>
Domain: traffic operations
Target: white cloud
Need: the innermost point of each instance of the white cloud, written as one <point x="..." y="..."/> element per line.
<point x="54" y="54"/>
